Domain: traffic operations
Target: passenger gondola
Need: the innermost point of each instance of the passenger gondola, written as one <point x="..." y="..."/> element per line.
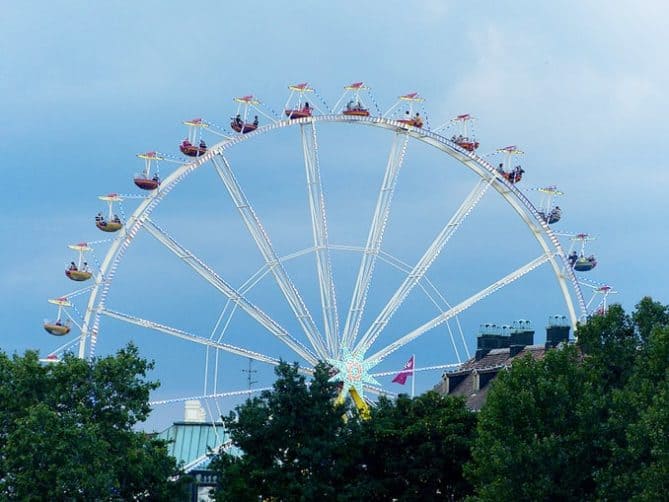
<point x="56" y="328"/>
<point x="584" y="264"/>
<point x="187" y="148"/>
<point x="238" y="125"/>
<point x="465" y="143"/>
<point x="553" y="215"/>
<point x="147" y="183"/>
<point x="414" y="121"/>
<point x="300" y="113"/>
<point x="78" y="275"/>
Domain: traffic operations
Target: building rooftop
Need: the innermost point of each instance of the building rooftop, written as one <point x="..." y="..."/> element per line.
<point x="190" y="442"/>
<point x="471" y="380"/>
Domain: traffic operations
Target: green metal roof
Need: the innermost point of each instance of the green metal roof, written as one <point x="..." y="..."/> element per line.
<point x="190" y="441"/>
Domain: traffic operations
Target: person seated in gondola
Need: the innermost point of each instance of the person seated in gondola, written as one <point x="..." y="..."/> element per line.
<point x="255" y="121"/>
<point x="85" y="267"/>
<point x="500" y="168"/>
<point x="72" y="266"/>
<point x="516" y="174"/>
<point x="156" y="178"/>
<point x="186" y="143"/>
<point x="573" y="257"/>
<point x="203" y="145"/>
<point x="58" y="323"/>
<point x="238" y="120"/>
<point x="349" y="105"/>
<point x="359" y="106"/>
<point x="99" y="217"/>
<point x="116" y="219"/>
<point x="306" y="106"/>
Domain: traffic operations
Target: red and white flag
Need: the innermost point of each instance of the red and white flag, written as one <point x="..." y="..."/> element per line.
<point x="407" y="371"/>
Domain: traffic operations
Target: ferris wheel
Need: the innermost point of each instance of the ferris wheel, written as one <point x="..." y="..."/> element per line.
<point x="361" y="330"/>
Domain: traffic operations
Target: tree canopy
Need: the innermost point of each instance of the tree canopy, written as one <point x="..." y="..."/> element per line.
<point x="298" y="444"/>
<point x="66" y="430"/>
<point x="586" y="422"/>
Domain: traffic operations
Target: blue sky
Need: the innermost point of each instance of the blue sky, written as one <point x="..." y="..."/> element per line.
<point x="580" y="86"/>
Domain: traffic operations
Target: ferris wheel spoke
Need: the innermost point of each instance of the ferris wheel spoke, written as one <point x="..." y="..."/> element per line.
<point x="460" y="307"/>
<point x="320" y="234"/>
<point x="423" y="265"/>
<point x="265" y="247"/>
<point x="231" y="293"/>
<point x="162" y="328"/>
<point x="374" y="239"/>
<point x="216" y="395"/>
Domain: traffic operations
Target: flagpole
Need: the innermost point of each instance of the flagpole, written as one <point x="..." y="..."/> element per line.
<point x="413" y="377"/>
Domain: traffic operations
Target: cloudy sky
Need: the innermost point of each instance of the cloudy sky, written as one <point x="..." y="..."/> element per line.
<point x="579" y="86"/>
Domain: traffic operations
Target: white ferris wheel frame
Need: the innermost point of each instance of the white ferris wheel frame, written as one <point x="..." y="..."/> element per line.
<point x="552" y="251"/>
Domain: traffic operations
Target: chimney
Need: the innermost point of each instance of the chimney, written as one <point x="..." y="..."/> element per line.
<point x="557" y="331"/>
<point x="522" y="333"/>
<point x="514" y="350"/>
<point x="194" y="412"/>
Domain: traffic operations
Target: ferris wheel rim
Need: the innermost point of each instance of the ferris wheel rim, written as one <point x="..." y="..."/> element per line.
<point x="509" y="192"/>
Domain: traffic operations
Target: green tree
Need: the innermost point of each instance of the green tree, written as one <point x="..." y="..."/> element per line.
<point x="66" y="430"/>
<point x="290" y="441"/>
<point x="411" y="449"/>
<point x="639" y="466"/>
<point x="529" y="443"/>
<point x="587" y="422"/>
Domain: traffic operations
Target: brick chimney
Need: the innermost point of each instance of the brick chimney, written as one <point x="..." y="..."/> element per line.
<point x="557" y="331"/>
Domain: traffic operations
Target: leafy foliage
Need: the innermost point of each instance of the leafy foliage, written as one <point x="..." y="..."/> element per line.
<point x="66" y="430"/>
<point x="289" y="437"/>
<point x="586" y="422"/>
<point x="411" y="449"/>
<point x="299" y="445"/>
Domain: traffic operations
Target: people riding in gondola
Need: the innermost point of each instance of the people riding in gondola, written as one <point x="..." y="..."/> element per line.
<point x="572" y="258"/>
<point x="255" y="121"/>
<point x="73" y="266"/>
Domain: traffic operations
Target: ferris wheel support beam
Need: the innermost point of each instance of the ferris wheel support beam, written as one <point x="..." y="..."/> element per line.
<point x="423" y="265"/>
<point x="374" y="239"/>
<point x="320" y="233"/>
<point x="168" y="330"/>
<point x="235" y="296"/>
<point x="265" y="247"/>
<point x="460" y="307"/>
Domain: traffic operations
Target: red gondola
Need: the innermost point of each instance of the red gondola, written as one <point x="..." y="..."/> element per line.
<point x="187" y="148"/>
<point x="147" y="183"/>
<point x="414" y="122"/>
<point x="302" y="113"/>
<point x="513" y="176"/>
<point x="357" y="112"/>
<point x="464" y="139"/>
<point x="243" y="127"/>
<point x="466" y="143"/>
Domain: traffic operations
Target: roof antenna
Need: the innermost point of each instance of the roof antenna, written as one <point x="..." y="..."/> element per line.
<point x="249" y="378"/>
